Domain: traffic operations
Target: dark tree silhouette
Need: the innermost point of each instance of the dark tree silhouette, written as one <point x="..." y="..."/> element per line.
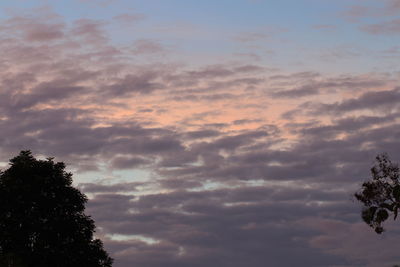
<point x="380" y="195"/>
<point x="42" y="220"/>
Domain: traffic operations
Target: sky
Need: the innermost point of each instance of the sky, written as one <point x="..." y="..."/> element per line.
<point x="210" y="133"/>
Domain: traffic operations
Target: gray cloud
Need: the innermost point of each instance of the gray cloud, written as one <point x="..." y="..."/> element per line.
<point x="314" y="85"/>
<point x="300" y="92"/>
<point x="382" y="100"/>
<point x="218" y="223"/>
<point x="100" y="188"/>
<point x="144" y="46"/>
<point x="32" y="27"/>
<point x="224" y="227"/>
<point x="90" y="30"/>
<point x="385" y="28"/>
<point x="129" y="18"/>
<point x="368" y="100"/>
<point x="384" y="8"/>
<point x="143" y="83"/>
<point x="347" y="125"/>
<point x="128" y="162"/>
<point x="219" y="192"/>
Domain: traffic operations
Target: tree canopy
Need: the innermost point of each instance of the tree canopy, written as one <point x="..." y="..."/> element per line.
<point x="42" y="219"/>
<point x="380" y="195"/>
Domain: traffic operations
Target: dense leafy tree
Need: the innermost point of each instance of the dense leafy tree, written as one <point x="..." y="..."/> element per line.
<point x="42" y="220"/>
<point x="380" y="195"/>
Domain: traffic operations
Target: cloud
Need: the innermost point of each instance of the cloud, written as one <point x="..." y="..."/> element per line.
<point x="312" y="84"/>
<point x="246" y="37"/>
<point x="223" y="226"/>
<point x="348" y="125"/>
<point x="129" y="18"/>
<point x="194" y="165"/>
<point x="147" y="47"/>
<point x="114" y="188"/>
<point x="98" y="3"/>
<point x="202" y="134"/>
<point x="384" y="8"/>
<point x="128" y="162"/>
<point x="325" y="27"/>
<point x="35" y="31"/>
<point x="212" y="71"/>
<point x="357" y="11"/>
<point x="392" y="6"/>
<point x="39" y="25"/>
<point x="383" y="28"/>
<point x="193" y="226"/>
<point x="143" y="83"/>
<point x="261" y="34"/>
<point x="90" y="30"/>
<point x="367" y="101"/>
<point x="379" y="100"/>
<point x="300" y="92"/>
<point x="356" y="241"/>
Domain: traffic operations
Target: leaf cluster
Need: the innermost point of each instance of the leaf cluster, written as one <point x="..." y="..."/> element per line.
<point x="381" y="195"/>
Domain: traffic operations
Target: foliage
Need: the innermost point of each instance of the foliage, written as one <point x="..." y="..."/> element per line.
<point x="380" y="195"/>
<point x="42" y="220"/>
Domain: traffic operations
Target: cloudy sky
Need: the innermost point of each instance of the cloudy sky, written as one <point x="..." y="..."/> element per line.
<point x="222" y="133"/>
